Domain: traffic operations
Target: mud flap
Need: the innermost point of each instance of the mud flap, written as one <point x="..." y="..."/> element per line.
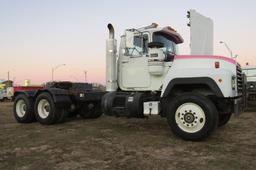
<point x="238" y="106"/>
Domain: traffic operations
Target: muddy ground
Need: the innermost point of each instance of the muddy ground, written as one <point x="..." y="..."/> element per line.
<point x="121" y="143"/>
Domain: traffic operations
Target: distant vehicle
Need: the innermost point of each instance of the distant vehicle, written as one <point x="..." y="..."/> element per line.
<point x="6" y="90"/>
<point x="3" y="95"/>
<point x="250" y="72"/>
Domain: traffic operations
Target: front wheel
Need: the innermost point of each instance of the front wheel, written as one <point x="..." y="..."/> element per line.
<point x="191" y="116"/>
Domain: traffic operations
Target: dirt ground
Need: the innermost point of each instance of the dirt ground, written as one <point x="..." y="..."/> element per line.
<point x="121" y="143"/>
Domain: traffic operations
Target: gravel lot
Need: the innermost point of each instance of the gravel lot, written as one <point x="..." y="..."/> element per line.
<point x="121" y="143"/>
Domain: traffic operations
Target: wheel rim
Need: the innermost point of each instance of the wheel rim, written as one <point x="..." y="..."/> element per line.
<point x="21" y="108"/>
<point x="190" y="117"/>
<point x="43" y="108"/>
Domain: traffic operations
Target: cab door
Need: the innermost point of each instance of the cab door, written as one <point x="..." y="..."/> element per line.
<point x="134" y="64"/>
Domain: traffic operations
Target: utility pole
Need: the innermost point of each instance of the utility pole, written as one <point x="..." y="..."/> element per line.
<point x="85" y="76"/>
<point x="8" y="75"/>
<point x="55" y="68"/>
<point x="229" y="50"/>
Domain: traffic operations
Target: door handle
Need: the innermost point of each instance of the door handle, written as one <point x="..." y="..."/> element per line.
<point x="125" y="61"/>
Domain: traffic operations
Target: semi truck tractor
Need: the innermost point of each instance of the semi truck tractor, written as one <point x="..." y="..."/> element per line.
<point x="146" y="76"/>
<point x="250" y="73"/>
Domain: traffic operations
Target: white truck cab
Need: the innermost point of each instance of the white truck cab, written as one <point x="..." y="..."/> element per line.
<point x="196" y="92"/>
<point x="145" y="57"/>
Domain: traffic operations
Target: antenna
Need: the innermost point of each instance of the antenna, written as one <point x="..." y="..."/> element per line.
<point x="8" y="75"/>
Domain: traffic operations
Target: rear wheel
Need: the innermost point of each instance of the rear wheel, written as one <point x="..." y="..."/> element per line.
<point x="191" y="116"/>
<point x="23" y="109"/>
<point x="90" y="110"/>
<point x="46" y="111"/>
<point x="223" y="119"/>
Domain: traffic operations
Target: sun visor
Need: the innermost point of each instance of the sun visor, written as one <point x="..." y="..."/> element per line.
<point x="170" y="33"/>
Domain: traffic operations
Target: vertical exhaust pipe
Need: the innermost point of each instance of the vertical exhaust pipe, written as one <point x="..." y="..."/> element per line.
<point x="111" y="57"/>
<point x="111" y="31"/>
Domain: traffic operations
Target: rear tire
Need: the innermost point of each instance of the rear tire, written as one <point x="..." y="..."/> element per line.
<point x="191" y="116"/>
<point x="91" y="110"/>
<point x="224" y="119"/>
<point x="23" y="109"/>
<point x="46" y="111"/>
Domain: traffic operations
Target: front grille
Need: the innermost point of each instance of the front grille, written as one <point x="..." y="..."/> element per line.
<point x="239" y="76"/>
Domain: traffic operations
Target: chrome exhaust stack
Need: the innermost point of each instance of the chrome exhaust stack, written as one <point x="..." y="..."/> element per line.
<point x="111" y="31"/>
<point x="111" y="57"/>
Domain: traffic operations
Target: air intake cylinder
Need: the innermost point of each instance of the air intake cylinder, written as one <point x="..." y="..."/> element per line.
<point x="111" y="57"/>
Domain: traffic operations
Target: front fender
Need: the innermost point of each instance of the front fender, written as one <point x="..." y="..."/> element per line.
<point x="193" y="81"/>
<point x="218" y="80"/>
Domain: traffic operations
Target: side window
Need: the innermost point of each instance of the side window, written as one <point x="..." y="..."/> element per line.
<point x="140" y="46"/>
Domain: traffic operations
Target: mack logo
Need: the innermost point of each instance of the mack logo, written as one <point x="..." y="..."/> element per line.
<point x="154" y="55"/>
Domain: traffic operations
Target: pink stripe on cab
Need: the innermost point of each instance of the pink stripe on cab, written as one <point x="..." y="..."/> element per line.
<point x="230" y="60"/>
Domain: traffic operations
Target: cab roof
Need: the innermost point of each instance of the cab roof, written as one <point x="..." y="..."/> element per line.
<point x="172" y="34"/>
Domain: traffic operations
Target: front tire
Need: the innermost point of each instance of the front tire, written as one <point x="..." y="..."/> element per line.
<point x="23" y="109"/>
<point x="191" y="116"/>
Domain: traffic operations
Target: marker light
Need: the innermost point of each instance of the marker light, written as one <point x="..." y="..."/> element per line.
<point x="217" y="64"/>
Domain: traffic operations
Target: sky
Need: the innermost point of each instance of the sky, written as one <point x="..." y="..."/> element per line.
<point x="37" y="35"/>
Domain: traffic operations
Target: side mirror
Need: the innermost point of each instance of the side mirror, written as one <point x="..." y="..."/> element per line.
<point x="155" y="45"/>
<point x="129" y="37"/>
<point x="235" y="56"/>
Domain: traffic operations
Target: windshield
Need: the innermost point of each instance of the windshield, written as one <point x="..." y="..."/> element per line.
<point x="169" y="45"/>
